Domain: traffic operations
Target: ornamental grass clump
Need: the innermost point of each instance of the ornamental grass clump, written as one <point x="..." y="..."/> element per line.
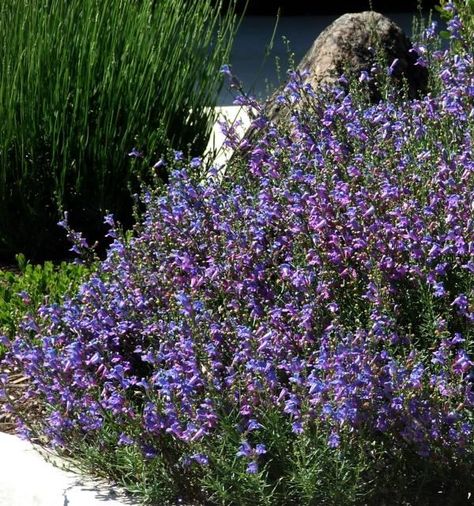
<point x="296" y="331"/>
<point x="83" y="84"/>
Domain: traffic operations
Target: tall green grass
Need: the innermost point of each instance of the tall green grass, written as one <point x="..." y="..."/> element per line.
<point x="82" y="82"/>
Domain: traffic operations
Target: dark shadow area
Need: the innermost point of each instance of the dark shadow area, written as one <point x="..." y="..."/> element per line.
<point x="336" y="7"/>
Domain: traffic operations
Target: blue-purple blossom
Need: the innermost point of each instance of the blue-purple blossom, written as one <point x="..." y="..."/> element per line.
<point x="252" y="468"/>
<point x="260" y="449"/>
<point x="325" y="278"/>
<point x="200" y="458"/>
<point x="245" y="450"/>
<point x="334" y="440"/>
<point x="135" y="153"/>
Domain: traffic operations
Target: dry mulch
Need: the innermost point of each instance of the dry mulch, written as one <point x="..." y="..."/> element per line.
<point x="14" y="388"/>
<point x="5" y="266"/>
<point x="16" y="381"/>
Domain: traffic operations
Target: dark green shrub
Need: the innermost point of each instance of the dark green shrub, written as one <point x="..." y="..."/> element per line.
<point x="25" y="289"/>
<point x="83" y="83"/>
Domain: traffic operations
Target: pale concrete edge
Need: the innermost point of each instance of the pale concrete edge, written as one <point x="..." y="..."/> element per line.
<point x="216" y="152"/>
<point x="33" y="476"/>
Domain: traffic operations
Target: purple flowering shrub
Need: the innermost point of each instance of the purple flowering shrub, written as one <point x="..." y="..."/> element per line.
<point x="263" y="331"/>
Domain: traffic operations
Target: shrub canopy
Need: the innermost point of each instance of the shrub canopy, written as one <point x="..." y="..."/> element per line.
<point x="315" y="299"/>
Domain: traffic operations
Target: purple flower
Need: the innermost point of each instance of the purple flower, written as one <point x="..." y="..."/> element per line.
<point x="439" y="289"/>
<point x="391" y="70"/>
<point x="245" y="450"/>
<point x="149" y="451"/>
<point x="253" y="425"/>
<point x="226" y="70"/>
<point x="364" y="76"/>
<point x="260" y="449"/>
<point x="324" y="280"/>
<point x="297" y="427"/>
<point x="334" y="440"/>
<point x="462" y="363"/>
<point x="195" y="162"/>
<point x="461" y="302"/>
<point x="135" y="153"/>
<point x="200" y="458"/>
<point x="159" y="164"/>
<point x="125" y="440"/>
<point x="252" y="468"/>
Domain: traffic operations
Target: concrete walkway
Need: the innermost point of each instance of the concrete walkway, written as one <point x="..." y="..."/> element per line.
<point x="28" y="479"/>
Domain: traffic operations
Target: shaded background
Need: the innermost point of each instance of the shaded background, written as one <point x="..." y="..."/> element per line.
<point x="315" y="7"/>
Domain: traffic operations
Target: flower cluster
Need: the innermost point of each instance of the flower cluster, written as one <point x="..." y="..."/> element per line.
<point x="328" y="275"/>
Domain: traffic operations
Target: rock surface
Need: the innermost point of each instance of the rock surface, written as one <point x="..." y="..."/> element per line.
<point x="350" y="45"/>
<point x="345" y="46"/>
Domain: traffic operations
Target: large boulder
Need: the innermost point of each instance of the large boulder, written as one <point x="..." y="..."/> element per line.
<point x="350" y="45"/>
